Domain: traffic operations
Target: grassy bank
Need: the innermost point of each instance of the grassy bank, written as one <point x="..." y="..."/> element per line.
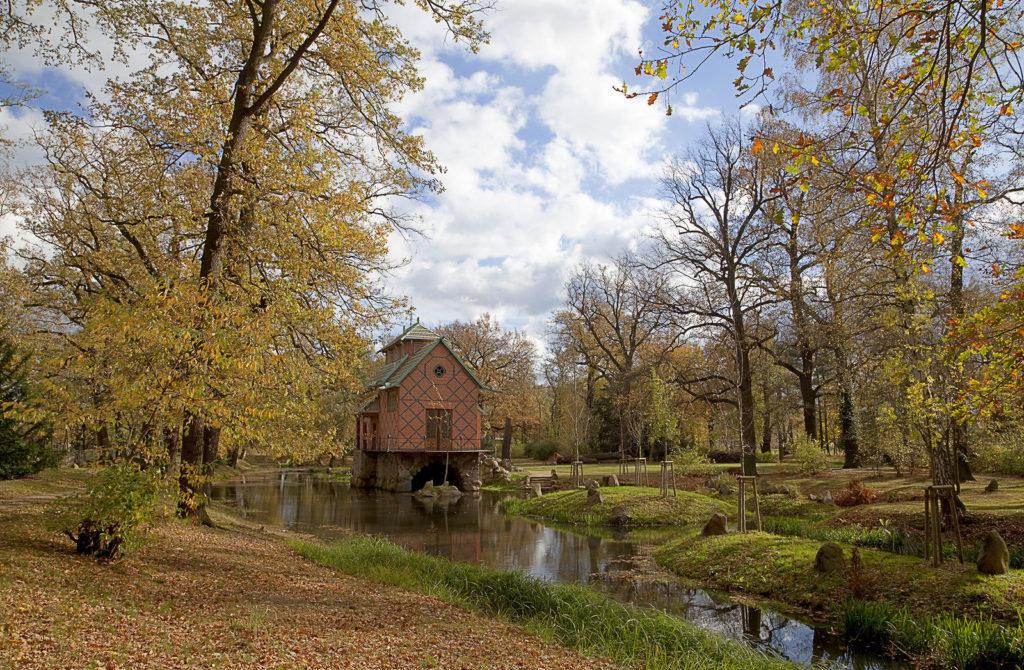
<point x="782" y="569"/>
<point x="572" y="616"/>
<point x="944" y="640"/>
<point x="643" y="507"/>
<point x="901" y="604"/>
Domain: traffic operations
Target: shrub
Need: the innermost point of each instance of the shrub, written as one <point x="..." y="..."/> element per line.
<point x="809" y="456"/>
<point x="1004" y="456"/>
<point x="111" y="517"/>
<point x="855" y="494"/>
<point x="767" y="457"/>
<point x="541" y="450"/>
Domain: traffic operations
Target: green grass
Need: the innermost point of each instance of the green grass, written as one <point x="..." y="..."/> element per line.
<point x="573" y="616"/>
<point x="944" y="640"/>
<point x="48" y="483"/>
<point x="893" y="540"/>
<point x="644" y="506"/>
<point x="781" y="569"/>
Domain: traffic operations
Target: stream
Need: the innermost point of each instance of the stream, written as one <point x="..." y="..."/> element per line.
<point x="473" y="530"/>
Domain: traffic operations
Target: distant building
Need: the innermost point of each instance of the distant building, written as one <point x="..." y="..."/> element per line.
<point x="423" y="419"/>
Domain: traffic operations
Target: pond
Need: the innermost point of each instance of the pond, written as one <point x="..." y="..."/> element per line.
<point x="473" y="530"/>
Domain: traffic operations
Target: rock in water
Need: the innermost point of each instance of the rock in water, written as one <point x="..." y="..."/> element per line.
<point x="992" y="486"/>
<point x="610" y="480"/>
<point x="830" y="559"/>
<point x="594" y="493"/>
<point x="995" y="556"/>
<point x="716" y="525"/>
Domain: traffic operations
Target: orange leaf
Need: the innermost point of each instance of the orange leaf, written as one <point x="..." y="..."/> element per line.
<point x="757" y="146"/>
<point x="652" y="97"/>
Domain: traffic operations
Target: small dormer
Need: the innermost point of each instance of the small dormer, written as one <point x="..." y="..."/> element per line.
<point x="411" y="340"/>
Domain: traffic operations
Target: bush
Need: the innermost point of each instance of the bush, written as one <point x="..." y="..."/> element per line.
<point x="1005" y="456"/>
<point x="809" y="456"/>
<point x="767" y="457"/>
<point x="855" y="494"/>
<point x="541" y="450"/>
<point x="113" y="514"/>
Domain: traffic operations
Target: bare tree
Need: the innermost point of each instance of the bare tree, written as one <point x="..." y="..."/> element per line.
<point x="711" y="245"/>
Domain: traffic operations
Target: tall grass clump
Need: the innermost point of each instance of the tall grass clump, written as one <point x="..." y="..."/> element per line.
<point x="892" y="540"/>
<point x="944" y="641"/>
<point x="570" y="615"/>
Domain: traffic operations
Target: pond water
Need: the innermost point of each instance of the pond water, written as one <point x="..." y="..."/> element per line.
<point x="474" y="530"/>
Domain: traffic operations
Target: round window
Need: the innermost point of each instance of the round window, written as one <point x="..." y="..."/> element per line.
<point x="439" y="371"/>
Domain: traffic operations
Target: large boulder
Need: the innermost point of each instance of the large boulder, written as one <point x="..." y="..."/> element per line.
<point x="609" y="480"/>
<point x="620" y="516"/>
<point x="535" y="491"/>
<point x="995" y="555"/>
<point x="716" y="525"/>
<point x="830" y="559"/>
<point x="992" y="486"/>
<point x="594" y="496"/>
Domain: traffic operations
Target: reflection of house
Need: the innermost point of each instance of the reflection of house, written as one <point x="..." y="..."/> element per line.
<point x="423" y="419"/>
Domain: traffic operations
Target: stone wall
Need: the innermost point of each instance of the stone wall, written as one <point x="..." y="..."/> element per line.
<point x="394" y="471"/>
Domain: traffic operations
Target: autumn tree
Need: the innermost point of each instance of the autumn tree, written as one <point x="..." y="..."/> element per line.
<point x="506" y="362"/>
<point x="613" y="319"/>
<point x="219" y="219"/>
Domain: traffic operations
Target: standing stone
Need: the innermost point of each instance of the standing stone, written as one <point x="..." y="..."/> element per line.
<point x="992" y="486"/>
<point x="995" y="555"/>
<point x="716" y="525"/>
<point x="610" y="480"/>
<point x="830" y="559"/>
<point x="535" y="491"/>
<point x="827" y="498"/>
<point x="594" y="493"/>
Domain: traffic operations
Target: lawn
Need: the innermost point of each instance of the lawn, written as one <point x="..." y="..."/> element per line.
<point x="636" y="507"/>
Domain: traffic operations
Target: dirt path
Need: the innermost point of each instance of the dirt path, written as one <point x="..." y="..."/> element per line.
<point x="203" y="598"/>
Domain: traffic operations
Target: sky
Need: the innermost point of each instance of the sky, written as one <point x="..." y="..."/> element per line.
<point x="546" y="166"/>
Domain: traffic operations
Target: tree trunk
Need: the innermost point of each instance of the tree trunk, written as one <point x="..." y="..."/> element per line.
<point x="191" y="462"/>
<point x="766" y="425"/>
<point x="506" y="440"/>
<point x="211" y="447"/>
<point x="172" y="441"/>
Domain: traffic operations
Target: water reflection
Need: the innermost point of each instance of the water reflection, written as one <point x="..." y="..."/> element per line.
<point x="473" y="530"/>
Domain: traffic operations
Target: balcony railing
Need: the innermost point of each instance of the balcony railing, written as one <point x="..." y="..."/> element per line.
<point x="379" y="443"/>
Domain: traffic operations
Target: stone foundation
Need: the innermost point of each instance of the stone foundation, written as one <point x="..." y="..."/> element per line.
<point x="396" y="471"/>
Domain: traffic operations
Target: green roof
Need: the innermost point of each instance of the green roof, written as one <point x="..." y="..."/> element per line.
<point x="393" y="374"/>
<point x="370" y="406"/>
<point x="382" y="375"/>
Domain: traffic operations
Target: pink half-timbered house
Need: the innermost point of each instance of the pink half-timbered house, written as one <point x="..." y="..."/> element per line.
<point x="422" y="420"/>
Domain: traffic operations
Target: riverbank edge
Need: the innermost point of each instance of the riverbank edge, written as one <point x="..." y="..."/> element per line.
<point x="570" y="618"/>
<point x="778" y="572"/>
<point x="576" y="617"/>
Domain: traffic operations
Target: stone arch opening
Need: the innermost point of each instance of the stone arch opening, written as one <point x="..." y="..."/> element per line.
<point x="434" y="472"/>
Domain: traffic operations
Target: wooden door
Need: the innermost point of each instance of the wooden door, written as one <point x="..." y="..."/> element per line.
<point x="439" y="429"/>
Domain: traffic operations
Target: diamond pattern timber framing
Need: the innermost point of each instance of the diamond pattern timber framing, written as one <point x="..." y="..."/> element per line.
<point x="411" y="373"/>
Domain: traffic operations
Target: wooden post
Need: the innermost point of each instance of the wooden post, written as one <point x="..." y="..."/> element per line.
<point x="757" y="504"/>
<point x="668" y="467"/>
<point x="927" y="523"/>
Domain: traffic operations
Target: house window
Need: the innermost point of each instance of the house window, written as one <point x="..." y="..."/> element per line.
<point x="439" y="428"/>
<point x="392" y="400"/>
